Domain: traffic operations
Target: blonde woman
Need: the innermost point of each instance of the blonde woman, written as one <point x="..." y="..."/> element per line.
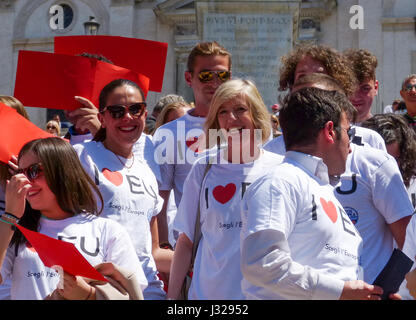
<point x="53" y="127"/>
<point x="239" y="121"/>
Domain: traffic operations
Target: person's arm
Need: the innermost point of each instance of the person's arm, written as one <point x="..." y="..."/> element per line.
<point x="16" y="190"/>
<point x="163" y="257"/>
<point x="180" y="266"/>
<point x="162" y="218"/>
<point x="266" y="262"/>
<point x="398" y="229"/>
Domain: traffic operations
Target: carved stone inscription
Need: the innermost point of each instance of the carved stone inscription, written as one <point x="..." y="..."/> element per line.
<point x="256" y="42"/>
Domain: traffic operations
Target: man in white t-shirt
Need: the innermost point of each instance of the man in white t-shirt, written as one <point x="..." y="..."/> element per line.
<point x="176" y="143"/>
<point x="297" y="241"/>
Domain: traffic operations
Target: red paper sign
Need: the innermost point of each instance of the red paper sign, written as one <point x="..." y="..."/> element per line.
<point x="15" y="132"/>
<point x="143" y="56"/>
<point x="55" y="252"/>
<point x="47" y="80"/>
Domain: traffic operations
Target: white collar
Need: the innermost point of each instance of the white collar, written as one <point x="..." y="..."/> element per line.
<point x="310" y="163"/>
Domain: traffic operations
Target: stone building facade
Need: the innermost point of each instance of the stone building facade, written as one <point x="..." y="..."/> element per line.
<point x="256" y="33"/>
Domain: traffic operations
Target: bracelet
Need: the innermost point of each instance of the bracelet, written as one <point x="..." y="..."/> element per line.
<point x="8" y="222"/>
<point x="11" y="217"/>
<point x="89" y="294"/>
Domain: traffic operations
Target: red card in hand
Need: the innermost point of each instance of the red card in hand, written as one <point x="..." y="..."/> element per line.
<point x="55" y="252"/>
<point x="47" y="80"/>
<point x="144" y="56"/>
<point x="15" y="132"/>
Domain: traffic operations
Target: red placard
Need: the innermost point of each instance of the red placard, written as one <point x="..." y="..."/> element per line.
<point x="55" y="252"/>
<point x="48" y="80"/>
<point x="144" y="56"/>
<point x="15" y="132"/>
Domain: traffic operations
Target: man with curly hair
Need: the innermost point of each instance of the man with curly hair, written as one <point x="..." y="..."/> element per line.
<point x="364" y="65"/>
<point x="312" y="58"/>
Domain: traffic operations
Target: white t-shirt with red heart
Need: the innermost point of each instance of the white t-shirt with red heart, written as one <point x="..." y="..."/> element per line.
<point x="321" y="247"/>
<point x="131" y="197"/>
<point x="217" y="272"/>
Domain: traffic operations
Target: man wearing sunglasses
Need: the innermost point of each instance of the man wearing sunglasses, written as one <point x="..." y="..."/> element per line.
<point x="176" y="143"/>
<point x="408" y="94"/>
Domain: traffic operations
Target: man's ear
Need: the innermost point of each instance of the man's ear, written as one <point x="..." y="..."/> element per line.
<point x="376" y="86"/>
<point x="329" y="132"/>
<point x="402" y="94"/>
<point x="188" y="78"/>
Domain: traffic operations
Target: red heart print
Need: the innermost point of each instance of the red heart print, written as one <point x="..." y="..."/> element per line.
<point x="224" y="194"/>
<point x="330" y="209"/>
<point x="113" y="176"/>
<point x="190" y="142"/>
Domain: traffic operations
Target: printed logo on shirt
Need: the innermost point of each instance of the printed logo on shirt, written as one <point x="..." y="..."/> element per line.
<point x="192" y="144"/>
<point x="114" y="177"/>
<point x="87" y="249"/>
<point x="224" y="194"/>
<point x="352" y="214"/>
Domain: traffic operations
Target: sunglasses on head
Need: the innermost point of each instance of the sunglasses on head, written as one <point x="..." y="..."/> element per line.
<point x="118" y="111"/>
<point x="207" y="76"/>
<point x="32" y="171"/>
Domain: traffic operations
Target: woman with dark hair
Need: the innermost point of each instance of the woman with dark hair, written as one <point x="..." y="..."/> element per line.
<point x="128" y="185"/>
<point x="45" y="196"/>
<point x="400" y="142"/>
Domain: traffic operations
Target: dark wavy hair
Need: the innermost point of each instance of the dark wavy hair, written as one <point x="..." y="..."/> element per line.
<point x="336" y="65"/>
<point x="394" y="128"/>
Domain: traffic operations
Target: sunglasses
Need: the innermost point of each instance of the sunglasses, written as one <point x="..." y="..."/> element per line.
<point x="32" y="172"/>
<point x="207" y="76"/>
<point x="50" y="127"/>
<point x="118" y="111"/>
<point x="409" y="87"/>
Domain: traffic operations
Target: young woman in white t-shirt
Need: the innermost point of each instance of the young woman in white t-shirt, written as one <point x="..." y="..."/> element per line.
<point x="239" y="121"/>
<point x="52" y="194"/>
<point x="126" y="182"/>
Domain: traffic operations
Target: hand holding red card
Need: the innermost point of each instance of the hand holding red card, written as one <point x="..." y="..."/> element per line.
<point x="15" y="132"/>
<point x="55" y="252"/>
<point x="47" y="80"/>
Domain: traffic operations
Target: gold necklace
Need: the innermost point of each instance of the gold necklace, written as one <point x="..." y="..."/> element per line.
<point x="124" y="163"/>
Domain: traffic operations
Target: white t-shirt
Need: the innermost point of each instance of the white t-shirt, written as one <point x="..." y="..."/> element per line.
<point x="373" y="194"/>
<point x="409" y="249"/>
<point x="320" y="247"/>
<point x="217" y="273"/>
<point x="362" y="136"/>
<point x="131" y="197"/>
<point x="175" y="146"/>
<point x="97" y="239"/>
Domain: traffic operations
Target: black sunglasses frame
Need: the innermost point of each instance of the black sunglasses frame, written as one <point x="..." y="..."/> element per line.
<point x="121" y="110"/>
<point x="32" y="172"/>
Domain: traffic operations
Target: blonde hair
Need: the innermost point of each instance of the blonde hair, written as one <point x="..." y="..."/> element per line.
<point x="163" y="115"/>
<point x="248" y="91"/>
<point x="55" y="124"/>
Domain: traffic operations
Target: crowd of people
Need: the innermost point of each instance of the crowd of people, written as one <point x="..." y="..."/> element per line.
<point x="221" y="198"/>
